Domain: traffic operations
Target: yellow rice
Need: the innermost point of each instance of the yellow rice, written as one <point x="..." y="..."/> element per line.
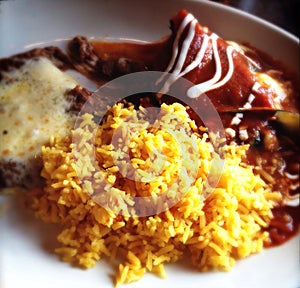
<point x="214" y="228"/>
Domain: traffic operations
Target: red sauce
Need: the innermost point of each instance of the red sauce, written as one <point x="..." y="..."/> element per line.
<point x="284" y="225"/>
<point x="276" y="154"/>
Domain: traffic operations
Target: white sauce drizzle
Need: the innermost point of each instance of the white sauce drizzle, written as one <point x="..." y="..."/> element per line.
<point x="211" y="84"/>
<point x="227" y="77"/>
<point x="230" y="132"/>
<point x="236" y="120"/>
<point x="198" y="58"/>
<point x="248" y="104"/>
<point x="185" y="47"/>
<point x="292" y="200"/>
<point x="189" y="17"/>
<point x="256" y="86"/>
<point x="184" y="50"/>
<point x="291" y="176"/>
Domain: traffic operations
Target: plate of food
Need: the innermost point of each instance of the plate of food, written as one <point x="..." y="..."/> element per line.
<point x="145" y="144"/>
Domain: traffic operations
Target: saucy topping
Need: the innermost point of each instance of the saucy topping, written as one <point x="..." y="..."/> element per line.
<point x="247" y="87"/>
<point x="178" y="60"/>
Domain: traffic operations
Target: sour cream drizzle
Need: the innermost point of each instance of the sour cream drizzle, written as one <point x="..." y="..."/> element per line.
<point x="213" y="83"/>
<point x="188" y="18"/>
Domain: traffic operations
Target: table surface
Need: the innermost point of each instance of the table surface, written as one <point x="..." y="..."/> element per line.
<point x="283" y="13"/>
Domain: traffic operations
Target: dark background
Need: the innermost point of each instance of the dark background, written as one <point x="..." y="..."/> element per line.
<point x="283" y="13"/>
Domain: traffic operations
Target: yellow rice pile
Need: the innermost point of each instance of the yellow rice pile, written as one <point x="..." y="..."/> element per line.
<point x="214" y="226"/>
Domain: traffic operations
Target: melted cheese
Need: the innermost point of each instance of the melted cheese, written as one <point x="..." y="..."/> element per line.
<point x="278" y="89"/>
<point x="33" y="107"/>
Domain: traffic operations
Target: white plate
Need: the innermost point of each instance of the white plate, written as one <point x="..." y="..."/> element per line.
<point x="25" y="242"/>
